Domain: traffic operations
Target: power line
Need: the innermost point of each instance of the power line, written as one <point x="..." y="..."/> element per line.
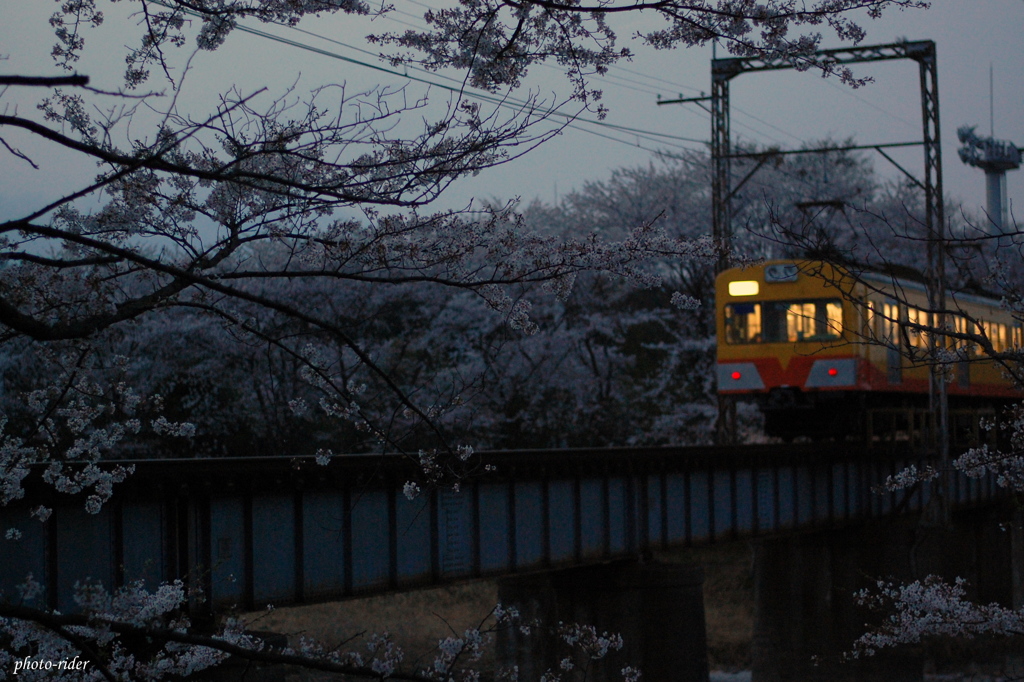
<point x="607" y="79"/>
<point x="849" y="93"/>
<point x="656" y="78"/>
<point x="551" y="67"/>
<point x="575" y="122"/>
<point x="705" y="115"/>
<point x="506" y="102"/>
<point x="630" y="87"/>
<point x="773" y="127"/>
<point x="613" y="67"/>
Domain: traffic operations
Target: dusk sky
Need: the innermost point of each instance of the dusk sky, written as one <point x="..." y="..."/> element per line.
<point x="784" y="109"/>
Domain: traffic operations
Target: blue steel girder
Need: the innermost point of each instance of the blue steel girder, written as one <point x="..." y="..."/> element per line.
<point x="281" y="530"/>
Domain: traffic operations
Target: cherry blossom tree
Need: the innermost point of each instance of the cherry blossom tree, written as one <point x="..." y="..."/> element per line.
<point x="217" y="220"/>
<point x="653" y="367"/>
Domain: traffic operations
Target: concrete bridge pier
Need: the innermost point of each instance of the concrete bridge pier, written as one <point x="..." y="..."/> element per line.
<point x="658" y="608"/>
<point x="805" y="615"/>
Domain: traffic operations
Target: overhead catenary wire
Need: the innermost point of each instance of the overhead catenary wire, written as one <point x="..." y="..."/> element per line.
<point x="604" y="78"/>
<point x="619" y="67"/>
<point x="574" y="121"/>
<point x="850" y="93"/>
<point x="683" y="87"/>
<point x="611" y="80"/>
<point x="612" y="67"/>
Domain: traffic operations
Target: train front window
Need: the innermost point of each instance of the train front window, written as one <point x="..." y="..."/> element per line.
<point x="743" y="323"/>
<point x="783" y="321"/>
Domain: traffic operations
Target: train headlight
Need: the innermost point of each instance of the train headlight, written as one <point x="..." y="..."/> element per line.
<point x="744" y="288"/>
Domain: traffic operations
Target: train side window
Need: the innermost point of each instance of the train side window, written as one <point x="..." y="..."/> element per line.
<point x="876" y="325"/>
<point x="971" y="329"/>
<point x="796" y="321"/>
<point x="960" y="325"/>
<point x="743" y="323"/>
<point x="890" y="323"/>
<point x="914" y="317"/>
<point x="928" y="320"/>
<point x="878" y="320"/>
<point x="999" y="341"/>
<point x="993" y="336"/>
<point x="923" y="320"/>
<point x="981" y="329"/>
<point x="1018" y="336"/>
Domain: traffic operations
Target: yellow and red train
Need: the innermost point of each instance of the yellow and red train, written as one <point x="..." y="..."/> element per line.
<point x="820" y="348"/>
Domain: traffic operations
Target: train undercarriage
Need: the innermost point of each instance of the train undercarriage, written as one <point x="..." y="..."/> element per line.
<point x="876" y="418"/>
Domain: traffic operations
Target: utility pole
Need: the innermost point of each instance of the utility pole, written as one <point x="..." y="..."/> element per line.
<point x="721" y="232"/>
<point x="721" y="221"/>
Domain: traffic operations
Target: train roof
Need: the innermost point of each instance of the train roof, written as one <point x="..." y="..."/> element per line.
<point x="912" y="278"/>
<point x="902" y="276"/>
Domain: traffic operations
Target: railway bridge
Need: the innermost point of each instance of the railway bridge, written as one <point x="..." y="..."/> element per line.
<point x="576" y="531"/>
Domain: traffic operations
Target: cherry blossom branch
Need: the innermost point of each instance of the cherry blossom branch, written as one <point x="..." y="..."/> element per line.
<point x="930" y="608"/>
<point x="249" y="651"/>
